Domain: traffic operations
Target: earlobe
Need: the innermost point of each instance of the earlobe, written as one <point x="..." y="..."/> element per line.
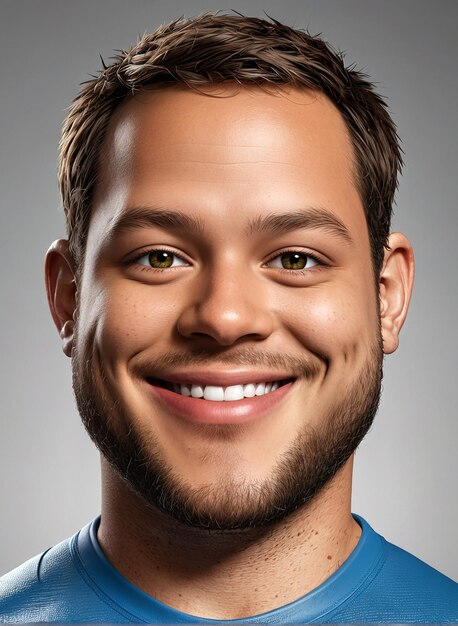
<point x="396" y="283"/>
<point x="60" y="276"/>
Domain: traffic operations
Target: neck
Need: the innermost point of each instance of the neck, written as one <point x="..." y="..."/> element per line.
<point x="227" y="575"/>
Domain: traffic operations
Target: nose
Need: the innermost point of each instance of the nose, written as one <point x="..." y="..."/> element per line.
<point x="226" y="308"/>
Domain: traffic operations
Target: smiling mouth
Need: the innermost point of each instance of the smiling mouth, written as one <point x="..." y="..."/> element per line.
<point x="214" y="393"/>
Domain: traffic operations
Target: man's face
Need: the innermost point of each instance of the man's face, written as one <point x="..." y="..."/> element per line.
<point x="191" y="277"/>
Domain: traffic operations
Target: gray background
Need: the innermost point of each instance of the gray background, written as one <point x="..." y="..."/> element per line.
<point x="405" y="480"/>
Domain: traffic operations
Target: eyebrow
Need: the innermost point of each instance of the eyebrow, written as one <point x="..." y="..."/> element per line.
<point x="149" y="216"/>
<point x="310" y="218"/>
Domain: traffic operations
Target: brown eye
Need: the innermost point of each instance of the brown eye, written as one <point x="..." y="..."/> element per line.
<point x="294" y="260"/>
<point x="160" y="259"/>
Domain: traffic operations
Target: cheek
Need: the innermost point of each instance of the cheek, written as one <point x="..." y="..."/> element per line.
<point x="120" y="320"/>
<point x="331" y="320"/>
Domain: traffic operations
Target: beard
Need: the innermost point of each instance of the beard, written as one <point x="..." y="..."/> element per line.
<point x="228" y="504"/>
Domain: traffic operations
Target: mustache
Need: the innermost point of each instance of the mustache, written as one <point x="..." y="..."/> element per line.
<point x="298" y="367"/>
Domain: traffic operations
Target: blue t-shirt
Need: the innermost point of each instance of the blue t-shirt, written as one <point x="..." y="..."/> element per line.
<point x="378" y="583"/>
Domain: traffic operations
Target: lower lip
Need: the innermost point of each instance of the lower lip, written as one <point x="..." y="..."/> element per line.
<point x="199" y="411"/>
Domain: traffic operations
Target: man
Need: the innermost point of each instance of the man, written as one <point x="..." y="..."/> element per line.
<point x="227" y="292"/>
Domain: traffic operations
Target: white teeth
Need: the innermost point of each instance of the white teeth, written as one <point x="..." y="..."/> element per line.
<point x="185" y="390"/>
<point x="197" y="391"/>
<point x="249" y="391"/>
<point x="235" y="392"/>
<point x="215" y="393"/>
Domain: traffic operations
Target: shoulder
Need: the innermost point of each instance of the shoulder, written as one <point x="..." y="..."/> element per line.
<point x="51" y="587"/>
<point x="28" y="594"/>
<point x="406" y="575"/>
<point x="402" y="588"/>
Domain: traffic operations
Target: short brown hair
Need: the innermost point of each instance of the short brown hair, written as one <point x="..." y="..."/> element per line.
<point x="211" y="49"/>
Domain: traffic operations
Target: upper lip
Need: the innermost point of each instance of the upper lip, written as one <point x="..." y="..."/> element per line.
<point x="221" y="378"/>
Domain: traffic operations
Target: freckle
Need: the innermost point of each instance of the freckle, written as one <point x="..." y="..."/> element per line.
<point x="329" y="557"/>
<point x="316" y="532"/>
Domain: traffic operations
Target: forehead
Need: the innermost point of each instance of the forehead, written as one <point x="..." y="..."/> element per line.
<point x="232" y="149"/>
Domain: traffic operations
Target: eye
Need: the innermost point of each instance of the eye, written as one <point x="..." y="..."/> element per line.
<point x="160" y="259"/>
<point x="293" y="260"/>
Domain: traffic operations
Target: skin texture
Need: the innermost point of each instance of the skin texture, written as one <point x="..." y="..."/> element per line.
<point x="229" y="303"/>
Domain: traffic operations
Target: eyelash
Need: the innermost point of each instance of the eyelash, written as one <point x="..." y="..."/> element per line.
<point x="302" y="272"/>
<point x="154" y="269"/>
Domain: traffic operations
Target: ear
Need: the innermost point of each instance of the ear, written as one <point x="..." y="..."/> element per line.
<point x="61" y="290"/>
<point x="396" y="282"/>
